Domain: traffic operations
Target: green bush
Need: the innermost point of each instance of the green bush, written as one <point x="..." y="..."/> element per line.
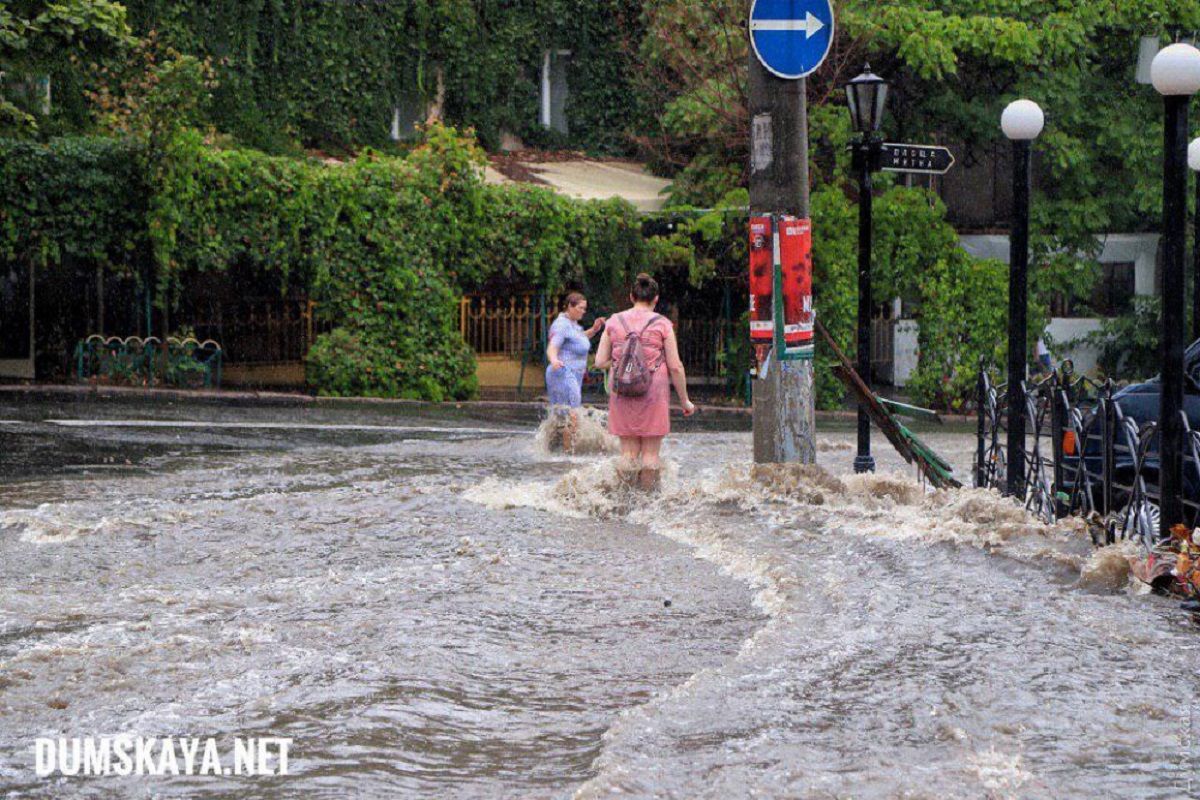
<point x="81" y="199"/>
<point x="1129" y="343"/>
<point x="384" y="245"/>
<point x="345" y="363"/>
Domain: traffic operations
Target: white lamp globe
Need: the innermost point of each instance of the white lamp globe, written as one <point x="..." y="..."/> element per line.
<point x="1194" y="155"/>
<point x="1176" y="70"/>
<point x="1022" y="120"/>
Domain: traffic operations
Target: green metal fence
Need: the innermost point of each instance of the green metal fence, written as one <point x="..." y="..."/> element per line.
<point x="150" y="361"/>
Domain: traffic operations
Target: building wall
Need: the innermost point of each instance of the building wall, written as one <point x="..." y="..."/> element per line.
<point x="1140" y="249"/>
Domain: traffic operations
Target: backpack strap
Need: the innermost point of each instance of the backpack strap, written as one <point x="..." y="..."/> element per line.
<point x="625" y="326"/>
<point x="653" y="318"/>
<point x="662" y="357"/>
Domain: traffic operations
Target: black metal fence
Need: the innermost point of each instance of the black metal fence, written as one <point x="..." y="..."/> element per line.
<point x="1083" y="455"/>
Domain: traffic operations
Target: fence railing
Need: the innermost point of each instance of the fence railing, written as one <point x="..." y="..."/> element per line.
<point x="1084" y="455"/>
<point x="514" y="327"/>
<point x="507" y="326"/>
<point x="265" y="330"/>
<point x="701" y="343"/>
<point x="134" y="361"/>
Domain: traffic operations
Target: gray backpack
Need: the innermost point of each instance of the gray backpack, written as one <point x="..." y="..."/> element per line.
<point x="632" y="377"/>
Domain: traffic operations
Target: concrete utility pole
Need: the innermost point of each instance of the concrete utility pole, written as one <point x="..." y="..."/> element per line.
<point x="784" y="425"/>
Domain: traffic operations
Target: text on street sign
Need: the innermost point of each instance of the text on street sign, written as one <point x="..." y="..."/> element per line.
<point x="922" y="158"/>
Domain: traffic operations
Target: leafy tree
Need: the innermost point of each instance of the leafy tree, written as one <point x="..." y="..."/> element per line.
<point x="152" y="93"/>
<point x="953" y="65"/>
<point x="1128" y="344"/>
<point x="50" y="39"/>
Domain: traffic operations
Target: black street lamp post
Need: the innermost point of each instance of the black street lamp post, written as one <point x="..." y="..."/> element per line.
<point x="1194" y="163"/>
<point x="1193" y="158"/>
<point x="1195" y="251"/>
<point x="1175" y="73"/>
<point x="1022" y="122"/>
<point x="867" y="96"/>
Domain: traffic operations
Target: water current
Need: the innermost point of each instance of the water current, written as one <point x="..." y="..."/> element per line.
<point x="449" y="608"/>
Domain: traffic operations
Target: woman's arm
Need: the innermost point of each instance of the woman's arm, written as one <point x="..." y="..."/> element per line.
<point x="604" y="352"/>
<point x="596" y="326"/>
<point x="678" y="374"/>
<point x="554" y="344"/>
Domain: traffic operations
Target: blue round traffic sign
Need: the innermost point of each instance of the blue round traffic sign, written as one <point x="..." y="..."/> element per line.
<point x="791" y="37"/>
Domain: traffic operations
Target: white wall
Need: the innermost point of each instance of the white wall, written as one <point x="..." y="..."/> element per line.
<point x="1064" y="329"/>
<point x="1139" y="248"/>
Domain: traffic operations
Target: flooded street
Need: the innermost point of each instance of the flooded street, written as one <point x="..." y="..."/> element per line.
<point x="434" y="606"/>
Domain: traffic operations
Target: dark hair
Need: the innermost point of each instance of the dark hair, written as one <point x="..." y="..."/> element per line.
<point x="645" y="288"/>
<point x="574" y="299"/>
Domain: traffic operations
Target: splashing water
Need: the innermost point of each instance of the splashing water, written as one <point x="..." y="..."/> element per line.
<point x="57" y="523"/>
<point x="1109" y="568"/>
<point x="591" y="433"/>
<point x="438" y="618"/>
<point x="866" y="584"/>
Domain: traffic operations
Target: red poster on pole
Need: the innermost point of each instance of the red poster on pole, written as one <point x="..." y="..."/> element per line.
<point x="762" y="318"/>
<point x="795" y="255"/>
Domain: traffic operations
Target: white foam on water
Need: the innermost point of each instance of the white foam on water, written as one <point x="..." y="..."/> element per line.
<point x="595" y="490"/>
<point x="591" y="433"/>
<point x="1110" y="568"/>
<point x="56" y="523"/>
<point x="1001" y="774"/>
<point x="886" y="505"/>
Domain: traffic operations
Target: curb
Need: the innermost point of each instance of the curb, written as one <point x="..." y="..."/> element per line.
<point x="242" y="399"/>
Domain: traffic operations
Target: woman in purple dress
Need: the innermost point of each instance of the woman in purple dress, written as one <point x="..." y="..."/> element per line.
<point x="567" y="353"/>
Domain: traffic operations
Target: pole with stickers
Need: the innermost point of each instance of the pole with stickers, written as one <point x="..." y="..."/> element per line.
<point x="789" y="41"/>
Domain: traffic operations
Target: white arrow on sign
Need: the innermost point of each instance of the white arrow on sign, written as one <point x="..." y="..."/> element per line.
<point x="810" y="25"/>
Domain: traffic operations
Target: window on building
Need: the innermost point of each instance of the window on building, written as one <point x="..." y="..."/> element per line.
<point x="30" y="94"/>
<point x="406" y="116"/>
<point x="553" y="115"/>
<point x="1112" y="295"/>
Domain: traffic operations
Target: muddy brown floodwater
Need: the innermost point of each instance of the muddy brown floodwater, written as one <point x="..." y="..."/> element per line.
<point x="442" y="608"/>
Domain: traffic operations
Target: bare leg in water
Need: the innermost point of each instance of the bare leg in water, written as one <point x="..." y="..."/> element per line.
<point x="640" y="461"/>
<point x="631" y="458"/>
<point x="648" y="476"/>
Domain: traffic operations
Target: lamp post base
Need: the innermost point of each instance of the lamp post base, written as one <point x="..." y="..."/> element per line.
<point x="864" y="464"/>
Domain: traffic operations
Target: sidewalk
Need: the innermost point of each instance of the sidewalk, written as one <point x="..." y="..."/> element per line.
<point x="69" y="393"/>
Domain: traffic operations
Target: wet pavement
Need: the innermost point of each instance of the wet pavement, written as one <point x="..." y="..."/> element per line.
<point x="432" y="604"/>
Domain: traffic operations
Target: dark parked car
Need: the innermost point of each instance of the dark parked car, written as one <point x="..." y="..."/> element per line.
<point x="1140" y="402"/>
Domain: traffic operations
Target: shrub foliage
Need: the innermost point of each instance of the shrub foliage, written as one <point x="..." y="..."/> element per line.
<point x="384" y="245"/>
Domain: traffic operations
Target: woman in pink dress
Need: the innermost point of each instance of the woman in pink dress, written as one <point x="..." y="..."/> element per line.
<point x="642" y="422"/>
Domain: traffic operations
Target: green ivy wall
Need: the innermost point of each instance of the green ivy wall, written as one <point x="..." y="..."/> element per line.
<point x="328" y="74"/>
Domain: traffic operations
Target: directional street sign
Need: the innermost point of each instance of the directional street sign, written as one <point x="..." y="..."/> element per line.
<point x="927" y="159"/>
<point x="791" y="37"/>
